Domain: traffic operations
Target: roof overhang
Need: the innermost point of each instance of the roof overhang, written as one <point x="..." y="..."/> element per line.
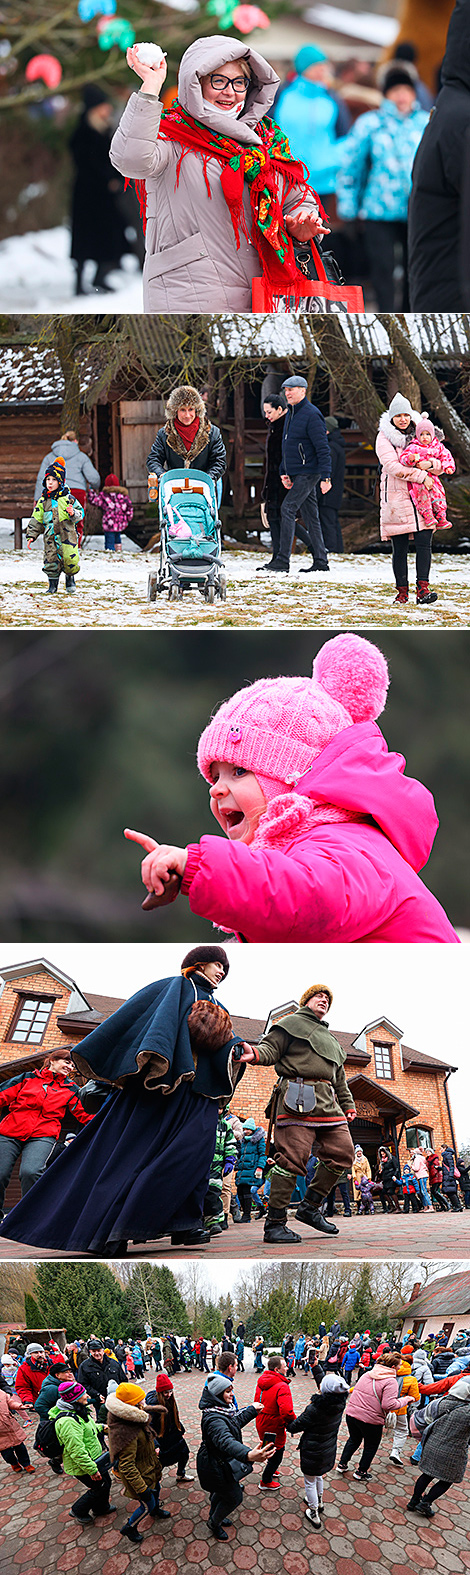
<point x="376" y="1094"/>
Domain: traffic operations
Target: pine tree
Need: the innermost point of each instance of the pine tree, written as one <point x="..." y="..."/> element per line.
<point x="34" y="1316"/>
<point x="318" y="1310"/>
<point x="83" y="1299"/>
<point x="210" y="1323"/>
<point x="363" y="1314"/>
<point x="279" y="1311"/>
<point x="151" y="1290"/>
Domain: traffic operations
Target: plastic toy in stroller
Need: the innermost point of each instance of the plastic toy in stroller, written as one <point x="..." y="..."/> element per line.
<point x="190" y="546"/>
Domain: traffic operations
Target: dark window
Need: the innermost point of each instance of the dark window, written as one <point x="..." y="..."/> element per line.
<point x="30" y="1023"/>
<point x="421" y="1137"/>
<point x="383" y="1061"/>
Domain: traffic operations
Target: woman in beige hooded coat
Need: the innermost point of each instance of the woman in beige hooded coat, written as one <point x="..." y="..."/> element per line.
<point x="193" y="262"/>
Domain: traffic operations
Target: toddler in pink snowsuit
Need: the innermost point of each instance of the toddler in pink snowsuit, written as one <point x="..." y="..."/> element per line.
<point x="428" y="496"/>
<point x="323" y="832"/>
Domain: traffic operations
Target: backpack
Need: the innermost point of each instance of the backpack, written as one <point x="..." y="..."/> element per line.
<point x="46" y="1441"/>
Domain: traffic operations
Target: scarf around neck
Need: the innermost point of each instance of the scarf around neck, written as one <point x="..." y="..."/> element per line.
<point x="270" y="172"/>
<point x="187" y="433"/>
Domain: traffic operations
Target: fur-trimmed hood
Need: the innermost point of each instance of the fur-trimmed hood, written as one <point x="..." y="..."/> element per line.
<point x="131" y="1414"/>
<point x="398" y="439"/>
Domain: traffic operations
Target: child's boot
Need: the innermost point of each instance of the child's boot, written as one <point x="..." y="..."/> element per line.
<point x="402" y="594"/>
<point x="53" y="587"/>
<point x="423" y="593"/>
<point x="70" y="585"/>
<point x="276" y="1229"/>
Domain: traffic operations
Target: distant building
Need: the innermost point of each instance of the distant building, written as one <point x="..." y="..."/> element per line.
<point x="444" y="1304"/>
<point x="401" y="1095"/>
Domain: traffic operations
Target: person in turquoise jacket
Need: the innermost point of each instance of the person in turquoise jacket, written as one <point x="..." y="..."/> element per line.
<point x="250" y="1165"/>
<point x="374" y="181"/>
<point x="313" y="119"/>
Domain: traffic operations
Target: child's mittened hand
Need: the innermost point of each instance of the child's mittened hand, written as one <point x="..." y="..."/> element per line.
<point x="30" y="545"/>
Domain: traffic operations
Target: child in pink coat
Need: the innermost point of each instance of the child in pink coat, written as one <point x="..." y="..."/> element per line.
<point x="428" y="496"/>
<point x="323" y="832"/>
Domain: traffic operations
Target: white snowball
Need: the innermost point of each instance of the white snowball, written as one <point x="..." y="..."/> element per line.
<point x="150" y="54"/>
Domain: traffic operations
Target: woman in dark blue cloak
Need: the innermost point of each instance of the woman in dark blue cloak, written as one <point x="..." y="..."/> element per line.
<point x="140" y="1169"/>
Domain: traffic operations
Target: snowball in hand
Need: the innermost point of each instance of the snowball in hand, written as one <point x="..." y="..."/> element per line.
<point x="150" y="54"/>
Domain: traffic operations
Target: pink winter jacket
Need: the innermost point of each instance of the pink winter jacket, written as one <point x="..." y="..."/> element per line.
<point x="398" y="514"/>
<point x="315" y="872"/>
<point x="11" y="1412"/>
<point x="369" y="1406"/>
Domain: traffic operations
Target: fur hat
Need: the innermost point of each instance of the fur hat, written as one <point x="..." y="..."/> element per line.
<point x="185" y="398"/>
<point x="204" y="954"/>
<point x="130" y="1394"/>
<point x="277" y="727"/>
<point x="316" y="989"/>
<point x="424" y="425"/>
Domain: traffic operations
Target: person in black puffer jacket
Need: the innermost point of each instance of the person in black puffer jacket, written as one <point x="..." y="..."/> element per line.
<point x="438" y="258"/>
<point x="388" y="1175"/>
<point x="222" y="1459"/>
<point x="450" y="1180"/>
<point x="319" y="1427"/>
<point x="194" y="443"/>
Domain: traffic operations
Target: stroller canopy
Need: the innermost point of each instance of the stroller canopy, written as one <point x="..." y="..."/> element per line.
<point x="188" y="510"/>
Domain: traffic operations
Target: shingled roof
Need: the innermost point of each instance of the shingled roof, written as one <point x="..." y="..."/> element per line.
<point x="448" y="1296"/>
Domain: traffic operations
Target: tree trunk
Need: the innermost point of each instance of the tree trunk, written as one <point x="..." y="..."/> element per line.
<point x="65" y="347"/>
<point x="347" y="371"/>
<point x="424" y="23"/>
<point x="454" y="428"/>
<point x="18" y="534"/>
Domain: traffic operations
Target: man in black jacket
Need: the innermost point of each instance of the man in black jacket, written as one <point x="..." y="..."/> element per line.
<point x="96" y="1372"/>
<point x="305" y="461"/>
<point x="188" y="440"/>
<point x="273" y="493"/>
<point x="439" y="264"/>
<point x="329" y="506"/>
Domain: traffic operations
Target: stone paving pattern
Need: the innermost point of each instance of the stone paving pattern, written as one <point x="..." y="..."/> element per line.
<point x="366" y="1529"/>
<point x="378" y="1236"/>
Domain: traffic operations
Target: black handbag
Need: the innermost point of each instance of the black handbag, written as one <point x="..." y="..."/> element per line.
<point x="307" y="264"/>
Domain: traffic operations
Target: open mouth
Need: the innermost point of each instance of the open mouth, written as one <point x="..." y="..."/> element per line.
<point x="234" y="818"/>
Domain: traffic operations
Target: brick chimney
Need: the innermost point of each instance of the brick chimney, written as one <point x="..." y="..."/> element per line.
<point x="416" y="1290"/>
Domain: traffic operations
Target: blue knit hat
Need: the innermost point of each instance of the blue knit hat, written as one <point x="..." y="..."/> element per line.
<point x="308" y="55"/>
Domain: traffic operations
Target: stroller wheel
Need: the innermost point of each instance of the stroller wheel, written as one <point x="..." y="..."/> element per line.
<point x="152" y="586"/>
<point x="209" y="593"/>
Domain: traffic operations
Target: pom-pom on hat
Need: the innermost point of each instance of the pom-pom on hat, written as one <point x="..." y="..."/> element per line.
<point x="424" y="425"/>
<point x="277" y="727"/>
<point x="130" y="1394"/>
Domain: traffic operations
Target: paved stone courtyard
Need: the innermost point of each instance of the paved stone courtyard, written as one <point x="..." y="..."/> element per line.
<point x="366" y="1528"/>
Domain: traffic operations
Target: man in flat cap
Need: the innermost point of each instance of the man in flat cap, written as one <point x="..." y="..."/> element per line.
<point x="305" y="461"/>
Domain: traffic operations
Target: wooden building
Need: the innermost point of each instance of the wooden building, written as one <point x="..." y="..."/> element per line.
<point x="401" y="1094"/>
<point x="443" y="1304"/>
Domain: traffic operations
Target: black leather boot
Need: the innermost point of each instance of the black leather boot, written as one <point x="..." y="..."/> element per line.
<point x="310" y="1212"/>
<point x="190" y="1238"/>
<point x="276" y="1229"/>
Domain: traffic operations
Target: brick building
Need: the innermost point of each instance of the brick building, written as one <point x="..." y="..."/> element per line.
<point x="401" y="1094"/>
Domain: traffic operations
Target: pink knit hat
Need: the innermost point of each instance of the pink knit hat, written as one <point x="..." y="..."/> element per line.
<point x="277" y="726"/>
<point x="424" y="425"/>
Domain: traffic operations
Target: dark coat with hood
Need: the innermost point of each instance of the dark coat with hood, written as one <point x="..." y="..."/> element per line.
<point x="445" y="1446"/>
<point x="169" y="452"/>
<point x="438" y="271"/>
<point x="132" y="1447"/>
<point x="449" y="1178"/>
<point x="319" y="1425"/>
<point x="98" y="229"/>
<point x="388" y="1173"/>
<point x="252" y="1157"/>
<point x="222" y="1458"/>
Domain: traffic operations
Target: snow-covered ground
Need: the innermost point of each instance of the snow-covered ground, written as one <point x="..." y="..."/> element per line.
<point x="112" y="593"/>
<point x="37" y="275"/>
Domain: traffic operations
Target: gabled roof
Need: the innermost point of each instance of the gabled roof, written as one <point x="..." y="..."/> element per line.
<point x="37" y="965"/>
<point x="381" y="1095"/>
<point x="446" y="1297"/>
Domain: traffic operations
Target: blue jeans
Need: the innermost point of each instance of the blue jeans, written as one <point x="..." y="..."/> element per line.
<point x="301" y="496"/>
<point x="34" y="1154"/>
<point x="112" y="539"/>
<point x="420" y="1183"/>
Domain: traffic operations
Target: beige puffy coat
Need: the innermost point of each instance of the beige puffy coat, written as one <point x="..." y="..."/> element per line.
<point x="192" y="263"/>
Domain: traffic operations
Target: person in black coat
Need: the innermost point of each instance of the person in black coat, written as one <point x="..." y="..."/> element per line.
<point x="188" y="440"/>
<point x="223" y="1460"/>
<point x="96" y="1372"/>
<point x="439" y="263"/>
<point x="329" y="503"/>
<point x="450" y="1180"/>
<point x="273" y="492"/>
<point x="388" y="1174"/>
<point x="319" y="1425"/>
<point x="98" y="229"/>
<point x="305" y="460"/>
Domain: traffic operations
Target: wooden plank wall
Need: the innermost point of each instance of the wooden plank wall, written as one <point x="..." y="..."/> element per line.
<point x="26" y="434"/>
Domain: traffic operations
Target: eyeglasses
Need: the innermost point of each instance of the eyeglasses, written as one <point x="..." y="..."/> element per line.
<point x="239" y="84"/>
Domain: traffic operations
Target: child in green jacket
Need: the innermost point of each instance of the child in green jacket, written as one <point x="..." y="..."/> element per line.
<point x="56" y="515"/>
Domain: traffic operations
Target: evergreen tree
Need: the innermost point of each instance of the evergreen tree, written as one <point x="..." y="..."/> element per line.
<point x="83" y="1299"/>
<point x="152" y="1291"/>
<point x="318" y="1310"/>
<point x="34" y="1316"/>
<point x="279" y="1311"/>
<point x="210" y="1322"/>
<point x="363" y="1313"/>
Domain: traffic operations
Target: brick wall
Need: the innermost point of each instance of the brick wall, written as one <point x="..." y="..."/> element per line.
<point x="32" y="984"/>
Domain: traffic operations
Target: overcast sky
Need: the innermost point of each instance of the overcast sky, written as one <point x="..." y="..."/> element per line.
<point x="423" y="990"/>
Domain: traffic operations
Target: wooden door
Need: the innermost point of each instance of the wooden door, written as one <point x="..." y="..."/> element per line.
<point x="139" y="422"/>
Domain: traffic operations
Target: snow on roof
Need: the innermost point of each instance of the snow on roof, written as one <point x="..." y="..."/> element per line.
<point x="33" y="375"/>
<point x="280" y="334"/>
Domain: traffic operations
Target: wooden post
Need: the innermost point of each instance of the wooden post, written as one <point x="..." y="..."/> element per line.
<point x="239" y="450"/>
<point x="18" y="534"/>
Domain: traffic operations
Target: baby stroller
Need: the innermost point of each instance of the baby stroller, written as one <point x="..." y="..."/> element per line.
<point x="190" y="548"/>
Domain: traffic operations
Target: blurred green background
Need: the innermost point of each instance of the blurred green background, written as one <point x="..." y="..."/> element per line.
<point x="100" y="731"/>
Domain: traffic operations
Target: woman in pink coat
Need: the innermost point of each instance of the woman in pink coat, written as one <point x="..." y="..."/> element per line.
<point x="12" y="1444"/>
<point x="375" y="1394"/>
<point x="399" y="516"/>
<point x="324" y="832"/>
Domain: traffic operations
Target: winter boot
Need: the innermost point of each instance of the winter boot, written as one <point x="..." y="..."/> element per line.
<point x="423" y="594"/>
<point x="190" y="1238"/>
<point x="402" y="594"/>
<point x="53" y="587"/>
<point x="70" y="585"/>
<point x="236" y="1213"/>
<point x="131" y="1532"/>
<point x="310" y="1212"/>
<point x="224" y="1226"/>
<point x="276" y="1230"/>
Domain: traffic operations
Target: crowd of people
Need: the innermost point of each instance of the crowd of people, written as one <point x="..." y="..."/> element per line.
<point x="101" y="1421"/>
<point x="302" y="489"/>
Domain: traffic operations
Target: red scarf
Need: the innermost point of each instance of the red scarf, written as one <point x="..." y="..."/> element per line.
<point x="185" y="432"/>
<point x="270" y="172"/>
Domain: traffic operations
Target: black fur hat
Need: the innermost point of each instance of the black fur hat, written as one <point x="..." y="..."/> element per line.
<point x="204" y="954"/>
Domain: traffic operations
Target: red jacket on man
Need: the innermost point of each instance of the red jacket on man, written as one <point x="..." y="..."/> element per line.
<point x="29" y="1380"/>
<point x="274" y="1391"/>
<point x="36" y="1105"/>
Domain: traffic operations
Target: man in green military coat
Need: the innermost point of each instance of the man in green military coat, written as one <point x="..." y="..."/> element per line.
<point x="311" y="1103"/>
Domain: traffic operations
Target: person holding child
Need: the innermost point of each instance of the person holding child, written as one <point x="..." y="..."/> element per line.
<point x="400" y="513"/>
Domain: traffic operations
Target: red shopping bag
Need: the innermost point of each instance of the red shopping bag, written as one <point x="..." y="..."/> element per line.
<point x="323" y="291"/>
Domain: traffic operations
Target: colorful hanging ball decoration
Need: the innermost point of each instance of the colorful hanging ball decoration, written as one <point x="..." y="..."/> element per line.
<point x="247" y="17"/>
<point x="223" y="10"/>
<point x="45" y="68"/>
<point x="87" y="9"/>
<point x="116" y="31"/>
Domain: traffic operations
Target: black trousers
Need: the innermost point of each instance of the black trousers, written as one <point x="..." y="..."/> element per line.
<point x="366" y="1433"/>
<point x="302" y="496"/>
<point x="96" y="1498"/>
<point x="435" y="1492"/>
<point x="400" y="546"/>
<point x="273" y="511"/>
<point x="221" y="1507"/>
<point x="330" y="526"/>
<point x="17" y="1455"/>
<point x="381" y="239"/>
<point x="244" y="1193"/>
